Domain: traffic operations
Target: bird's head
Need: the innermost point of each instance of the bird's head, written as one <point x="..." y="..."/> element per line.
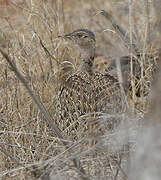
<point x="82" y="37"/>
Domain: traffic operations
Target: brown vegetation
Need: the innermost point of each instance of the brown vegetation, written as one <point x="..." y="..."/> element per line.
<point x="31" y="147"/>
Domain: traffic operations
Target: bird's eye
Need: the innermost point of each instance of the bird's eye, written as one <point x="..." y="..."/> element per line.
<point x="79" y="35"/>
<point x="85" y="36"/>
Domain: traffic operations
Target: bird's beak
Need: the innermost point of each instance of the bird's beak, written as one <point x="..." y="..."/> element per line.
<point x="66" y="36"/>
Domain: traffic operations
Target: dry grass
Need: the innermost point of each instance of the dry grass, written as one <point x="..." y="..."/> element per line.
<point x="29" y="149"/>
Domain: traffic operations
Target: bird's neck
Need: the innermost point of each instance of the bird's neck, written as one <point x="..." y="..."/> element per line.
<point x="87" y="60"/>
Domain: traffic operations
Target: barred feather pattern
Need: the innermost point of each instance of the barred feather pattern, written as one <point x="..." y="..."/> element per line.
<point x="87" y="95"/>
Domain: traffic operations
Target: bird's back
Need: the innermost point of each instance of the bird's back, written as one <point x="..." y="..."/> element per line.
<point x="87" y="95"/>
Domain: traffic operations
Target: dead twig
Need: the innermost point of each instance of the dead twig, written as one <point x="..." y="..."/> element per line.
<point x="121" y="32"/>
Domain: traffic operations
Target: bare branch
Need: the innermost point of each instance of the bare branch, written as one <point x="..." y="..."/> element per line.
<point x="122" y="33"/>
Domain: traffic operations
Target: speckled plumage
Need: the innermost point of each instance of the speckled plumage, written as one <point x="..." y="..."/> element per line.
<point x="86" y="93"/>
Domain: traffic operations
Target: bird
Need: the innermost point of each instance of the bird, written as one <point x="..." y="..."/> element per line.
<point x="86" y="95"/>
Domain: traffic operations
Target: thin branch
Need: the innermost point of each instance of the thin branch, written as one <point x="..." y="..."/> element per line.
<point x="122" y="33"/>
<point x="34" y="97"/>
<point x="46" y="50"/>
